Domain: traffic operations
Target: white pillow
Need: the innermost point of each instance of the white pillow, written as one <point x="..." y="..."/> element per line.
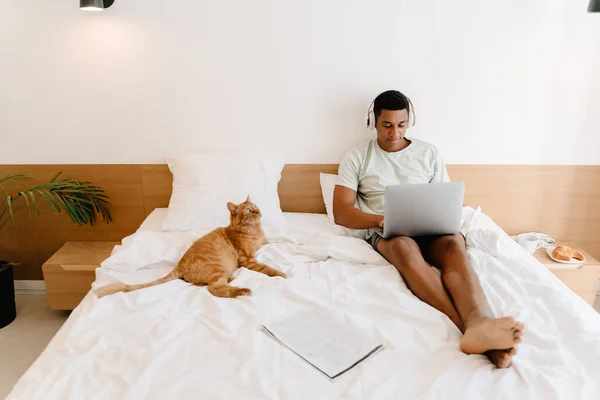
<point x="203" y="183"/>
<point x="328" y="182"/>
<point x="300" y="228"/>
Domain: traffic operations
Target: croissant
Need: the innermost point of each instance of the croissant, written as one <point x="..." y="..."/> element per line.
<point x="565" y="253"/>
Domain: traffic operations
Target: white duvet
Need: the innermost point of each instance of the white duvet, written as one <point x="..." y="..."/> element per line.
<point x="176" y="341"/>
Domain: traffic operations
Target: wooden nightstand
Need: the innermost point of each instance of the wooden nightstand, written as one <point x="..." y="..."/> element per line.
<point x="69" y="273"/>
<point x="583" y="280"/>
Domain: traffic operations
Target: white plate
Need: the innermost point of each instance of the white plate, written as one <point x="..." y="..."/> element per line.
<point x="573" y="261"/>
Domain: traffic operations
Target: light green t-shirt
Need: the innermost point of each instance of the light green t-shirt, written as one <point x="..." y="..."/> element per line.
<point x="368" y="169"/>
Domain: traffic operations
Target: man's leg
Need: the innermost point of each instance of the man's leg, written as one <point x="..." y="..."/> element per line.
<point x="404" y="253"/>
<point x="449" y="254"/>
<point x="482" y="332"/>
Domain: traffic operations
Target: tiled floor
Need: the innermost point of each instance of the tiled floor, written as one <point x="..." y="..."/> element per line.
<point x="23" y="341"/>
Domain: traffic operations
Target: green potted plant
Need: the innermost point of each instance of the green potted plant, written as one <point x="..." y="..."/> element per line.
<point x="81" y="201"/>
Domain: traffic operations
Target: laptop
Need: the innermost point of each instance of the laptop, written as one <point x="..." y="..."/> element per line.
<point x="420" y="209"/>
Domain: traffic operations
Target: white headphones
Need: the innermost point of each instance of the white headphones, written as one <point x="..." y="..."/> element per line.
<point x="412" y="118"/>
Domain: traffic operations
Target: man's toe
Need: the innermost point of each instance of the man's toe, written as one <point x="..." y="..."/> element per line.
<point x="518" y="334"/>
<point x="518" y="326"/>
<point x="518" y="340"/>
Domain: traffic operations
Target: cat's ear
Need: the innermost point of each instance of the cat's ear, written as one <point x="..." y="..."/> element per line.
<point x="248" y="199"/>
<point x="232" y="208"/>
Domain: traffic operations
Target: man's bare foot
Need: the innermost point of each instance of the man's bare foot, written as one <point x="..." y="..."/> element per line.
<point x="501" y="358"/>
<point x="491" y="334"/>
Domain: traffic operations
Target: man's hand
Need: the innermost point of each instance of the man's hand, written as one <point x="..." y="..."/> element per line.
<point x="347" y="215"/>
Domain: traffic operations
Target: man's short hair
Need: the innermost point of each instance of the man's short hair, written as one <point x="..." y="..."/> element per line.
<point x="390" y="100"/>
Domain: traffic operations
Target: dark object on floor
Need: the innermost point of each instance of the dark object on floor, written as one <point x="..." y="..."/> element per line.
<point x="8" y="309"/>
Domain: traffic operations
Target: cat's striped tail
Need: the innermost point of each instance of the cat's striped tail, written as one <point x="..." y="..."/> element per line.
<point x="121" y="287"/>
<point x="225" y="290"/>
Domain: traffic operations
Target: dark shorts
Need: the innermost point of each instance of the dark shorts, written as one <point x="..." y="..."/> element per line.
<point x="424" y="242"/>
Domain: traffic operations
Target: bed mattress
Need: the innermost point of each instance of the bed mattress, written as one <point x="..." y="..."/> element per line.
<point x="176" y="341"/>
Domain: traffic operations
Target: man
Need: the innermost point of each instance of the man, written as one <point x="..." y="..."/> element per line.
<point x="392" y="159"/>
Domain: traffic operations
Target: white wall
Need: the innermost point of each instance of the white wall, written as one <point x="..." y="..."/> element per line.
<point x="511" y="81"/>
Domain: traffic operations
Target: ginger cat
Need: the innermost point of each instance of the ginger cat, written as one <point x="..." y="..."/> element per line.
<point x="214" y="257"/>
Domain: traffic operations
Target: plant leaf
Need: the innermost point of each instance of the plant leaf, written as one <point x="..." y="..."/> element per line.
<point x="55" y="177"/>
<point x="50" y="201"/>
<point x="34" y="201"/>
<point x="67" y="209"/>
<point x="77" y="214"/>
<point x="16" y="177"/>
<point x="82" y="201"/>
<point x="9" y="205"/>
<point x="24" y="195"/>
<point x="5" y="181"/>
<point x="78" y="199"/>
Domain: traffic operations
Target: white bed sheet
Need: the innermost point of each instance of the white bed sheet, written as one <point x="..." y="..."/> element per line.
<point x="154" y="220"/>
<point x="176" y="341"/>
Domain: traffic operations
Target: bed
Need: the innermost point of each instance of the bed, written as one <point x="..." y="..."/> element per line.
<point x="176" y="341"/>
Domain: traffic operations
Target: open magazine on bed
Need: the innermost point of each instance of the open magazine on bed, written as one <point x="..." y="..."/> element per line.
<point x="322" y="339"/>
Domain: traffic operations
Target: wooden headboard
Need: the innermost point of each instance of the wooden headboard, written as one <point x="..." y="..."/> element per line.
<point x="563" y="201"/>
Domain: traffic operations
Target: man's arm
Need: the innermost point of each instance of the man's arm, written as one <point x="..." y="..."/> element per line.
<point x="347" y="215"/>
<point x="440" y="173"/>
